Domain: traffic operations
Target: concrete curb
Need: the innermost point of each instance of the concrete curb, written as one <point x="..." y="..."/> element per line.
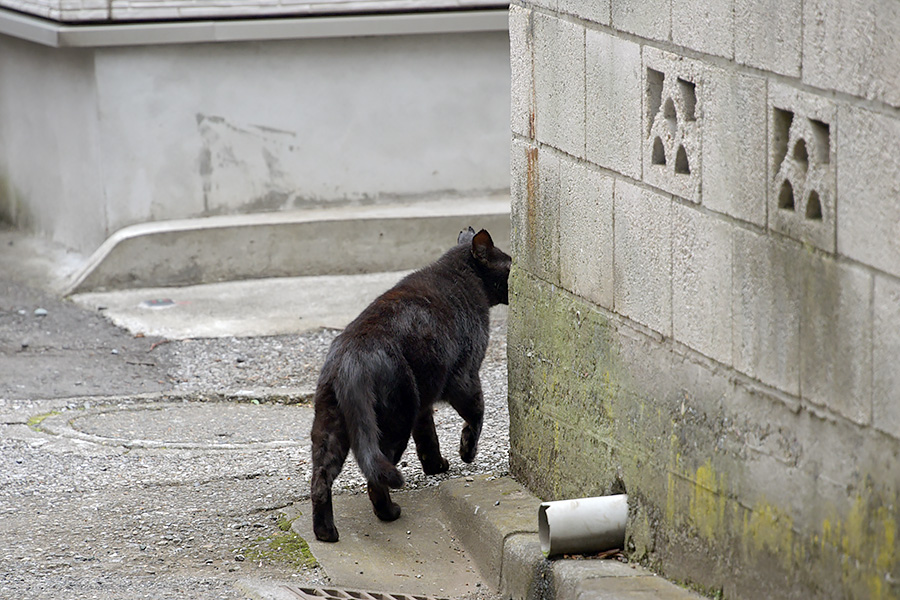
<point x="328" y="241"/>
<point x="496" y="520"/>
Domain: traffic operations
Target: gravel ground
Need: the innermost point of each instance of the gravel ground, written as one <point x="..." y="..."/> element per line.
<point x="88" y="520"/>
<point x="287" y="367"/>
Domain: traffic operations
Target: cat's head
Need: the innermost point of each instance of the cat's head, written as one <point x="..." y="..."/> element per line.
<point x="493" y="266"/>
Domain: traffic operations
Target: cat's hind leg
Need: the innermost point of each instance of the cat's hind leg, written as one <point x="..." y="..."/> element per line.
<point x="394" y="439"/>
<point x="330" y="446"/>
<point x="380" y="496"/>
<point x="427" y="446"/>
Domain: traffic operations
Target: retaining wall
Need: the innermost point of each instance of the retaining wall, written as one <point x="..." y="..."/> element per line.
<point x="108" y="125"/>
<point x="705" y="301"/>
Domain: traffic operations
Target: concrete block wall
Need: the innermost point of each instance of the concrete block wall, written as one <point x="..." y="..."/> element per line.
<point x="705" y="305"/>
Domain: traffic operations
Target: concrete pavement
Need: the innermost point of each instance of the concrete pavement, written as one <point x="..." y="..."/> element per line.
<point x="260" y="307"/>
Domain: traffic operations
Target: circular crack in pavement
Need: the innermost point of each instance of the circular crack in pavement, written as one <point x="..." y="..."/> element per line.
<point x="187" y="425"/>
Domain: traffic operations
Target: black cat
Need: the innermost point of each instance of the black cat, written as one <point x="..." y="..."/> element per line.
<point x="421" y="341"/>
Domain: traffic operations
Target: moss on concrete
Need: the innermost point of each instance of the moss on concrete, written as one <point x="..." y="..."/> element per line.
<point x="724" y="482"/>
<point x="285" y="547"/>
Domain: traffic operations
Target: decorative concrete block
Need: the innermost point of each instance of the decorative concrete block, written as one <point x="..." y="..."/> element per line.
<point x="768" y="34"/>
<point x="701" y="282"/>
<point x="853" y="47"/>
<point x="802" y="157"/>
<point x="836" y="337"/>
<point x="586" y="233"/>
<point x="704" y="25"/>
<point x="535" y="190"/>
<point x="646" y="18"/>
<point x="596" y="11"/>
<point x="885" y="350"/>
<point x="612" y="119"/>
<point x="673" y="112"/>
<point x="766" y="307"/>
<point x="521" y="68"/>
<point x="559" y="83"/>
<point x="734" y="145"/>
<point x="643" y="256"/>
<point x="868" y="185"/>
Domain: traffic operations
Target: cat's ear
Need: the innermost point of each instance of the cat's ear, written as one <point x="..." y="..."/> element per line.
<point x="482" y="244"/>
<point x="465" y="236"/>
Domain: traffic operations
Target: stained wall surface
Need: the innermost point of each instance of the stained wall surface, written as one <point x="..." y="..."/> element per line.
<point x="112" y="134"/>
<point x="705" y="304"/>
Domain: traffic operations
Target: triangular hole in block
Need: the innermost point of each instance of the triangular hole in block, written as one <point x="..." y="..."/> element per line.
<point x="681" y="162"/>
<point x="659" y="152"/>
<point x="814" y="207"/>
<point x="670" y="115"/>
<point x="786" y="196"/>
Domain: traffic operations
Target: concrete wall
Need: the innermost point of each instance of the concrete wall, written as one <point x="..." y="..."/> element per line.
<point x="100" y="137"/>
<point x="75" y="11"/>
<point x="705" y="305"/>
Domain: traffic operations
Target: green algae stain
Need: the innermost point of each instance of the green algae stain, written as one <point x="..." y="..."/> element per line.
<point x="866" y="541"/>
<point x="35" y="421"/>
<point x="767" y="528"/>
<point x="707" y="505"/>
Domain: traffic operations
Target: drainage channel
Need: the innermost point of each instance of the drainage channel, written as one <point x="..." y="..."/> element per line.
<point x="306" y="593"/>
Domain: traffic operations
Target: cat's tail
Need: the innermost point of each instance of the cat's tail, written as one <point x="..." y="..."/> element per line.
<point x="354" y="391"/>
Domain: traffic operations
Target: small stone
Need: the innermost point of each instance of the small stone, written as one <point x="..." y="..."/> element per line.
<point x="40" y="312"/>
<point x="114" y="351"/>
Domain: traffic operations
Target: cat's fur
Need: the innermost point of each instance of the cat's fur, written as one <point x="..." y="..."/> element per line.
<point x="421" y="341"/>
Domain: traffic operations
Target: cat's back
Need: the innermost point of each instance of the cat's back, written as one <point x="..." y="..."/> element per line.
<point x="434" y="305"/>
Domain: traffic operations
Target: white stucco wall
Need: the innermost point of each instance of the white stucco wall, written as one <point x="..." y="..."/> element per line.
<point x="102" y="137"/>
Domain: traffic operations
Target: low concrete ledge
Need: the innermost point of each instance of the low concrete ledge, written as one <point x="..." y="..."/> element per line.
<point x="484" y="513"/>
<point x="58" y="35"/>
<point x="496" y="520"/>
<point x="336" y="241"/>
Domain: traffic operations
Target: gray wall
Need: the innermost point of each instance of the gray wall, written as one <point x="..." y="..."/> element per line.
<point x="706" y="290"/>
<point x="98" y="138"/>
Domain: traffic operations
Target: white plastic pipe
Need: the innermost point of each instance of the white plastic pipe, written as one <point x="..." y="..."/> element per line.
<point x="583" y="525"/>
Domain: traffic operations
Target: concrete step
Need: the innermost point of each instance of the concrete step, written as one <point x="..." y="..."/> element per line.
<point x="258" y="307"/>
<point x="327" y="241"/>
